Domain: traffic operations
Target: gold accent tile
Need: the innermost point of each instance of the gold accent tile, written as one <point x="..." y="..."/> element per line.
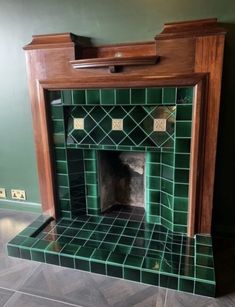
<point x="78" y="123"/>
<point x="117" y="124"/>
<point x="159" y="124"/>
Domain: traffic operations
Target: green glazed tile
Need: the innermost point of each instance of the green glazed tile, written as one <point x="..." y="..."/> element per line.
<point x="153" y="183"/>
<point x="185" y="95"/>
<point x="62" y="180"/>
<point x="57" y="112"/>
<point x="138" y="96"/>
<point x="58" y="126"/>
<point x="184" y="112"/>
<point x="116" y="258"/>
<point x="122" y="96"/>
<point x="107" y="96"/>
<point x="154" y="95"/>
<point x="150" y="278"/>
<point x="97" y="267"/>
<point x="168" y="159"/>
<point x="38" y="255"/>
<point x="167" y="172"/>
<point x="182" y="146"/>
<point x="206" y="289"/>
<point x="13" y="251"/>
<point x="124" y="249"/>
<point x="181" y="204"/>
<point x="61" y="167"/>
<point x="67" y="261"/>
<point x="186" y="285"/>
<point x="181" y="190"/>
<point x="82" y="264"/>
<point x="180" y="218"/>
<point x="169" y="95"/>
<point x="78" y="97"/>
<point x="152" y="264"/>
<point x="204" y="250"/>
<point x="41" y="245"/>
<point x="168" y="281"/>
<point x="133" y="261"/>
<point x="132" y="274"/>
<point x="100" y="255"/>
<point x="183" y="129"/>
<point x="205" y="273"/>
<point x="52" y="258"/>
<point x="114" y="270"/>
<point x="92" y="96"/>
<point x="66" y="96"/>
<point x="84" y="234"/>
<point x="107" y="246"/>
<point x="59" y="140"/>
<point x="203" y="239"/>
<point x="84" y="252"/>
<point x="91" y="243"/>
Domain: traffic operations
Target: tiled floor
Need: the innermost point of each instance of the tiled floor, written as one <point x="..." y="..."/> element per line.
<point x="31" y="284"/>
<point x="121" y="243"/>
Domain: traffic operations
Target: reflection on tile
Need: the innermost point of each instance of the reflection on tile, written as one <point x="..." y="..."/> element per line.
<point x="143" y="251"/>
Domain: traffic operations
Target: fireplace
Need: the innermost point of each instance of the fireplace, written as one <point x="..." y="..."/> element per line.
<point x="126" y="155"/>
<point x="121" y="179"/>
<point x="142" y="161"/>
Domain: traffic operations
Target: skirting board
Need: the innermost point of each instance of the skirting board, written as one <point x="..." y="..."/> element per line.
<point x="20" y="206"/>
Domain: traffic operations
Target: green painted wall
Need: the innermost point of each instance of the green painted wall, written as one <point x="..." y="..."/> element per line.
<point x="107" y="22"/>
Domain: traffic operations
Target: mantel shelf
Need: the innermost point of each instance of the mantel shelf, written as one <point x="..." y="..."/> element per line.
<point x="113" y="62"/>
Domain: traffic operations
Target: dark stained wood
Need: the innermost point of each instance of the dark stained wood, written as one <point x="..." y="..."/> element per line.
<point x="113" y="62"/>
<point x="194" y="28"/>
<point x="209" y="58"/>
<point x="191" y="53"/>
<point x="52" y="41"/>
<point x="196" y="155"/>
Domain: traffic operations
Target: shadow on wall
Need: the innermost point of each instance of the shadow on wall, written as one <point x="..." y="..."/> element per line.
<point x="224" y="202"/>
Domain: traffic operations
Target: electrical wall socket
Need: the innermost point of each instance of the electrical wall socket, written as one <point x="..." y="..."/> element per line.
<point x="18" y="194"/>
<point x="2" y="193"/>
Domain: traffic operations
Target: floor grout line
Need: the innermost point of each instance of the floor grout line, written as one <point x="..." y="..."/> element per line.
<point x="30" y="275"/>
<point x="165" y="297"/>
<point x="9" y="297"/>
<point x="38" y="296"/>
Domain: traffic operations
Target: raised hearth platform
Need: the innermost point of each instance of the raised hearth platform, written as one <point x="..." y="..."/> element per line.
<point x="120" y="243"/>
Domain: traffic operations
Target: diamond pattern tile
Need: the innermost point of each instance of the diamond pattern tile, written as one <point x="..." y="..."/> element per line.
<point x="119" y="125"/>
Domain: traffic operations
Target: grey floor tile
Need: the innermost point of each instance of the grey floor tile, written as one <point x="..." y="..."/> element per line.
<point x="121" y="293"/>
<point x="12" y="222"/>
<point x="180" y="299"/>
<point x="14" y="272"/>
<point x="4" y="296"/>
<point x="89" y="289"/>
<point x="24" y="300"/>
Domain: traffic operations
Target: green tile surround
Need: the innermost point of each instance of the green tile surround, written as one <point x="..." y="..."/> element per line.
<point x="123" y="245"/>
<point x="143" y="245"/>
<point x="167" y="152"/>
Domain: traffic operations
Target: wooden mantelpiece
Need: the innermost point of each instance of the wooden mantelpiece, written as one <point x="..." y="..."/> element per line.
<point x="189" y="53"/>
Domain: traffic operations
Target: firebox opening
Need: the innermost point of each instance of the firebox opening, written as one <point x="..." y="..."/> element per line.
<point x="121" y="179"/>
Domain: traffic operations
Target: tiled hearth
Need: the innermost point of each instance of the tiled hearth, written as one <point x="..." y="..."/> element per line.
<point x="145" y="244"/>
<point x="123" y="245"/>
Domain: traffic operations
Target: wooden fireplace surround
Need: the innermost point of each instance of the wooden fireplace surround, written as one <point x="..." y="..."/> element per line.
<point x="183" y="54"/>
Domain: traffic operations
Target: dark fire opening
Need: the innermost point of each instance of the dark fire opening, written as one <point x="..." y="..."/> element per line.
<point x="121" y="179"/>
